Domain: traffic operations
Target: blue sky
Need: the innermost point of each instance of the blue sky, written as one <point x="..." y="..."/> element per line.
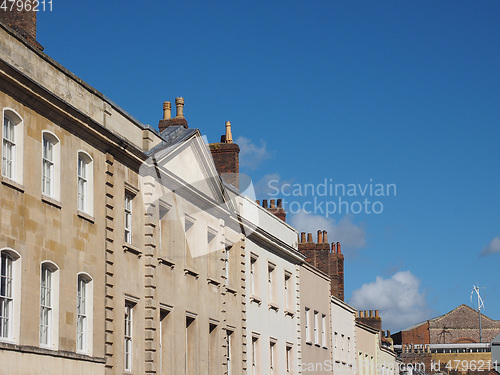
<point x="403" y="93"/>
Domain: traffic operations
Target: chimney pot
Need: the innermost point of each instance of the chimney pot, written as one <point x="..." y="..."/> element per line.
<point x="179" y="104"/>
<point x="167" y="106"/>
<point x="338" y="248"/>
<point x="264" y="203"/>
<point x="325" y="236"/>
<point x="303" y="237"/>
<point x="309" y="237"/>
<point x="320" y="236"/>
<point x="273" y="203"/>
<point x="258" y="202"/>
<point x="376" y="314"/>
<point x="280" y="203"/>
<point x="229" y="135"/>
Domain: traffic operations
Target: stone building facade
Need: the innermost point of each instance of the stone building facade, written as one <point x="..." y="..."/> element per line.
<point x="99" y="277"/>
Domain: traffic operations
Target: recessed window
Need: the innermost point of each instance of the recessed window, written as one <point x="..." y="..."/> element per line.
<point x="9" y="300"/>
<point x="129" y="307"/>
<point x="6" y="296"/>
<point x="289" y="358"/>
<point x="12" y="145"/>
<point x="307" y="324"/>
<point x="316" y="323"/>
<point x="255" y="354"/>
<point x="84" y="314"/>
<point x="227" y="263"/>
<point x="323" y="330"/>
<point x="270" y="282"/>
<point x="272" y="357"/>
<point x="229" y="351"/>
<point x="85" y="183"/>
<point x="48" y="305"/>
<point x="50" y="165"/>
<point x="288" y="290"/>
<point x="128" y="217"/>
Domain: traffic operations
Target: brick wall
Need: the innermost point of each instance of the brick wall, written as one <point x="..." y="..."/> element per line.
<point x="23" y="22"/>
<point x="227" y="162"/>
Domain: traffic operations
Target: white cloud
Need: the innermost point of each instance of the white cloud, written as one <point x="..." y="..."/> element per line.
<point x="344" y="231"/>
<point x="493" y="247"/>
<point x="251" y="155"/>
<point x="399" y="300"/>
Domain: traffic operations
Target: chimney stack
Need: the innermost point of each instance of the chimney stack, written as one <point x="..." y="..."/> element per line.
<point x="167" y="119"/>
<point x="24" y="21"/>
<point x="167" y="106"/>
<point x="226" y="157"/>
<point x="179" y="105"/>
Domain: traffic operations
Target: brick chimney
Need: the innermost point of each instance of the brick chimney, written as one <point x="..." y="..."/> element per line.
<point x="327" y="258"/>
<point x="370" y="318"/>
<point x="24" y="22"/>
<point x="178" y="120"/>
<point x="226" y="157"/>
<point x="275" y="207"/>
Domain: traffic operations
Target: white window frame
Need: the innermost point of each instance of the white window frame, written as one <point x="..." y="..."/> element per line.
<point x="307" y="324"/>
<point x="85" y="183"/>
<point x="288" y="289"/>
<point x="128" y="335"/>
<point x="229" y="351"/>
<point x="49" y="305"/>
<point x="255" y="354"/>
<point x="128" y="216"/>
<point x="10" y="272"/>
<point x="84" y="314"/>
<point x="272" y="357"/>
<point x="270" y="282"/>
<point x="14" y="144"/>
<point x="289" y="357"/>
<point x="316" y="326"/>
<point x="253" y="279"/>
<point x="323" y="331"/>
<point x="51" y="165"/>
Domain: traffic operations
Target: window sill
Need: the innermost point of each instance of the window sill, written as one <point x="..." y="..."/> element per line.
<point x="167" y="262"/>
<point x="289" y="313"/>
<point x="128" y="247"/>
<point x="273" y="306"/>
<point x="213" y="281"/>
<point x="85" y="216"/>
<point x="12" y="184"/>
<point x="317" y="345"/>
<point x="230" y="290"/>
<point x="256" y="299"/>
<point x="52" y="201"/>
<point x="325" y="347"/>
<point x="51" y="352"/>
<point x="191" y="272"/>
<point x="309" y="342"/>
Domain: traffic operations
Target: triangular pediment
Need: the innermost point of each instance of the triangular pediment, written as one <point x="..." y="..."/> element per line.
<point x="186" y="167"/>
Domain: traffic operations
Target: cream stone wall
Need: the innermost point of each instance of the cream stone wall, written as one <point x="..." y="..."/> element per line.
<point x="315" y="296"/>
<point x="344" y="336"/>
<point x="366" y="347"/>
<point x="273" y="320"/>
